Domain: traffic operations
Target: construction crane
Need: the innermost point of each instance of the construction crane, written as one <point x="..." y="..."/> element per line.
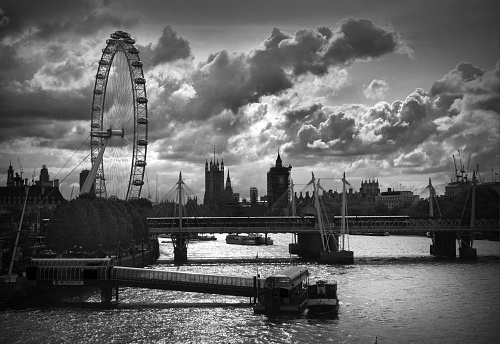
<point x="468" y="163"/>
<point x="478" y="175"/>
<point x="20" y="168"/>
<point x="455" y="164"/>
<point x="33" y="177"/>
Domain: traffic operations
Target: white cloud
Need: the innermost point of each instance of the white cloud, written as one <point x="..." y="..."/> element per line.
<point x="376" y="90"/>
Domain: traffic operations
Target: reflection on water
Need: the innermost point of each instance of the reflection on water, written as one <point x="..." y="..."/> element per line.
<point x="395" y="291"/>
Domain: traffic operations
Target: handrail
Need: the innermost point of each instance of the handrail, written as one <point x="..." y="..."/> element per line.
<point x="171" y="277"/>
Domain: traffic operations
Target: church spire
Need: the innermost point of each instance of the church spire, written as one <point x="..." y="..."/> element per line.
<point x="229" y="188"/>
<point x="278" y="160"/>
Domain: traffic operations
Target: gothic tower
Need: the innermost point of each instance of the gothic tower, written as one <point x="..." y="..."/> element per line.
<point x="10" y="176"/>
<point x="214" y="184"/>
<point x="278" y="180"/>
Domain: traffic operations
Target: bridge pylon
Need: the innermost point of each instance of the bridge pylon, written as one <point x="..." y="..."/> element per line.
<point x="445" y="243"/>
<point x="180" y="240"/>
<point x="325" y="245"/>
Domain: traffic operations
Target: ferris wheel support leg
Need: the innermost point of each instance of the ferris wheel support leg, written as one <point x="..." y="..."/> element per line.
<point x="91" y="177"/>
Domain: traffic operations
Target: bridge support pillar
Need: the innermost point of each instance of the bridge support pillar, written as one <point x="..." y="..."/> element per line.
<point x="444" y="244"/>
<point x="465" y="249"/>
<point x="180" y="242"/>
<point x="106" y="293"/>
<point x="309" y="245"/>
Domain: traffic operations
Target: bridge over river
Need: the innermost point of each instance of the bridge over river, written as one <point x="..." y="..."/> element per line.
<point x="444" y="232"/>
<point x="307" y="224"/>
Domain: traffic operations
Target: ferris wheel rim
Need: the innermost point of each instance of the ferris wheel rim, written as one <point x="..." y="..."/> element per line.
<point x="120" y="42"/>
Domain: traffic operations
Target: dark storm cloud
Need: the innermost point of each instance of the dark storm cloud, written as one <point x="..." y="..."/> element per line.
<point x="170" y="47"/>
<point x="44" y="21"/>
<point x="453" y="82"/>
<point x="21" y="111"/>
<point x="230" y="81"/>
<point x="315" y="50"/>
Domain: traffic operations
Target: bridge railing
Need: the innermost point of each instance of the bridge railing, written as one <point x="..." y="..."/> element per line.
<point x="183" y="278"/>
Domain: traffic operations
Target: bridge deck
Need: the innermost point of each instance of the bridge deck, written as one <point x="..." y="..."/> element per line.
<point x="71" y="274"/>
<point x="183" y="281"/>
<point x="294" y="224"/>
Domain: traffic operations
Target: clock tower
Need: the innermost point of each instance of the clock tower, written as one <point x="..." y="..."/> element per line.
<point x="278" y="181"/>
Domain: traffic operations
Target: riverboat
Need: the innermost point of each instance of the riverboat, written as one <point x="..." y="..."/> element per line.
<point x="249" y="239"/>
<point x="284" y="292"/>
<point x="201" y="237"/>
<point x="322" y="298"/>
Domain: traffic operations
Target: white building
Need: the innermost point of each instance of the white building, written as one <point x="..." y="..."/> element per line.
<point x="396" y="198"/>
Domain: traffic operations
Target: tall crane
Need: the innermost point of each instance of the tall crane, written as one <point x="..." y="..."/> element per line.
<point x="20" y="168"/>
<point x="455" y="164"/>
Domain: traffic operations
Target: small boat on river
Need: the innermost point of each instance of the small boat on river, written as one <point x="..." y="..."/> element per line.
<point x="322" y="298"/>
<point x="248" y="239"/>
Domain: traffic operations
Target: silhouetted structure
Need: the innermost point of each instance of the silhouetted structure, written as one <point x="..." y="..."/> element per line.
<point x="278" y="181"/>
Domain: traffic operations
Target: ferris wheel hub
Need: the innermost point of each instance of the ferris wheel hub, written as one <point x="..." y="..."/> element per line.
<point x="108" y="133"/>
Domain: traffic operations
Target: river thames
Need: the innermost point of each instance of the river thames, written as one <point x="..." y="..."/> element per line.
<point x="395" y="292"/>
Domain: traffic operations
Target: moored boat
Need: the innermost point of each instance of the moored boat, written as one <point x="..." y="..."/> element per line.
<point x="248" y="239"/>
<point x="201" y="237"/>
<point x="322" y="298"/>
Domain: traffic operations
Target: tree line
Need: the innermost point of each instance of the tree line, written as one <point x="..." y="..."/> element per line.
<point x="89" y="224"/>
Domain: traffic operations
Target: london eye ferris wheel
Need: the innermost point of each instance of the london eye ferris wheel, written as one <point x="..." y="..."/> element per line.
<point x="119" y="121"/>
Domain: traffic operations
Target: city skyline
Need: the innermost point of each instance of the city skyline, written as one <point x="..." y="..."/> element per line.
<point x="385" y="90"/>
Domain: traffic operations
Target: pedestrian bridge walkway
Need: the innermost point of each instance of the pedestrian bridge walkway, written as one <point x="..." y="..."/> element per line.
<point x="102" y="273"/>
<point x="184" y="281"/>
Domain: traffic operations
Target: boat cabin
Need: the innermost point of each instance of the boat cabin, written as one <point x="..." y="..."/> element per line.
<point x="285" y="291"/>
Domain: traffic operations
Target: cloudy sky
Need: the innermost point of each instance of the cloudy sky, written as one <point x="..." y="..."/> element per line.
<point x="378" y="89"/>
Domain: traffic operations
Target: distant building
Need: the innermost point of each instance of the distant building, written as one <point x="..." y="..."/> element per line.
<point x="215" y="194"/>
<point x="278" y="180"/>
<point x="456" y="187"/>
<point x="369" y="188"/>
<point x="44" y="194"/>
<point x="254" y="194"/>
<point x="219" y="199"/>
<point x="396" y="198"/>
<point x="44" y="179"/>
<point x="83" y="177"/>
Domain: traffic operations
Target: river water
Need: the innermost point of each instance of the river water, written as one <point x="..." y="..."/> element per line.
<point x="395" y="292"/>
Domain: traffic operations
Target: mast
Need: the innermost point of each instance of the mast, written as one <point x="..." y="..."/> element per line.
<point x="473" y="201"/>
<point x="343" y="230"/>
<point x="16" y="244"/>
<point x="179" y="189"/>
<point x="431" y="199"/>
<point x="318" y="215"/>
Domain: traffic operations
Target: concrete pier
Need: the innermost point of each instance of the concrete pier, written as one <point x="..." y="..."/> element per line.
<point x="180" y="242"/>
<point x="444" y="244"/>
<point x="465" y="249"/>
<point x="309" y="245"/>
